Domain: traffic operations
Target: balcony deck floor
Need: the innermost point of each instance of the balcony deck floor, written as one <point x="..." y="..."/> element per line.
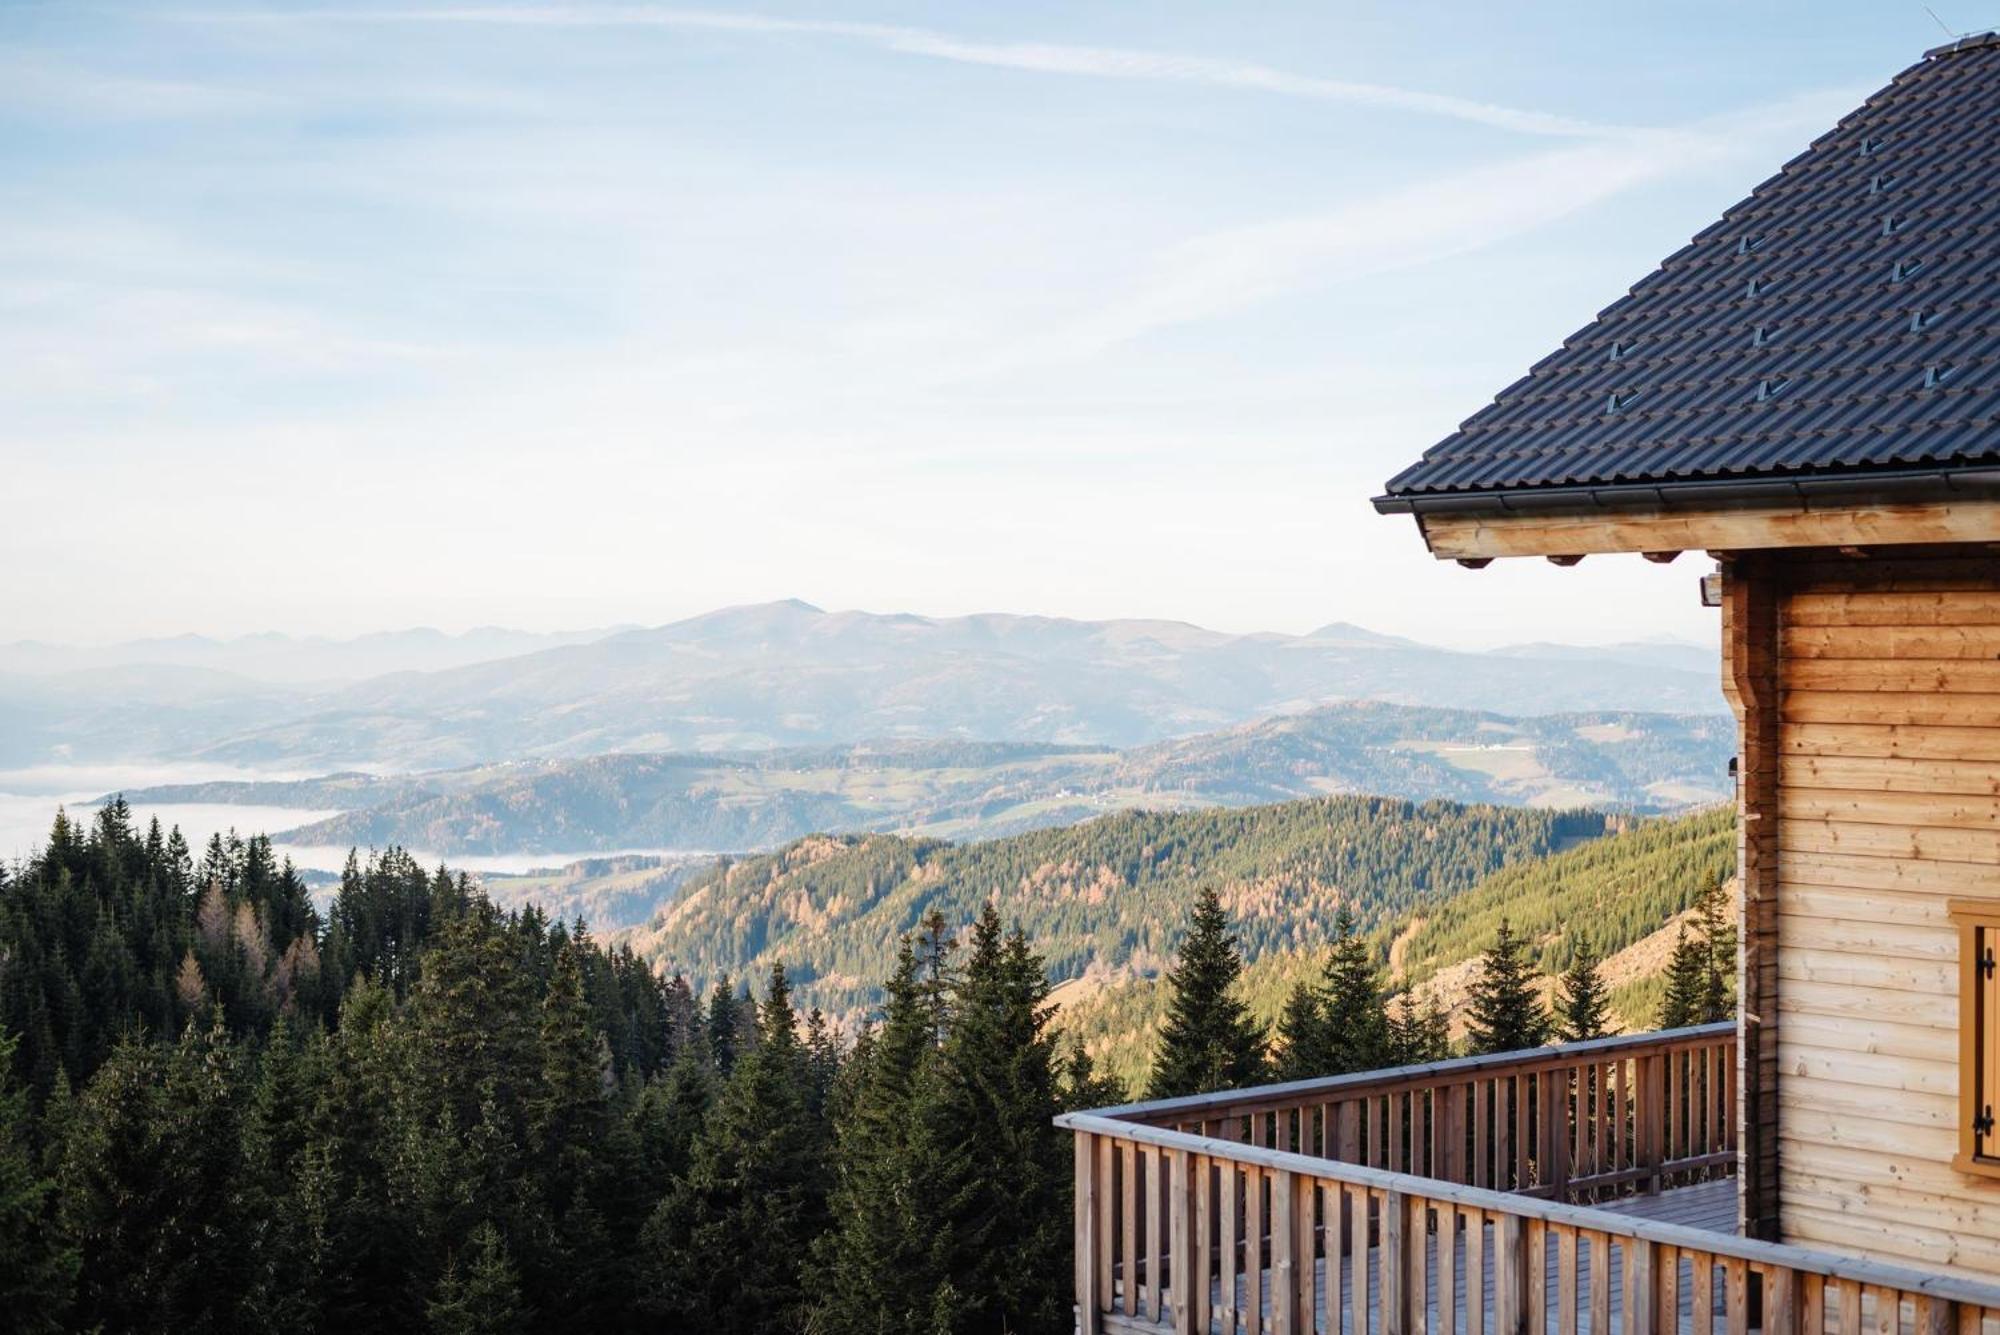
<point x="1708" y="1205"/>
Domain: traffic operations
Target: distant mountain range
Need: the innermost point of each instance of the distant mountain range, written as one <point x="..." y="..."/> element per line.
<point x="771" y="676"/>
<point x="961" y="790"/>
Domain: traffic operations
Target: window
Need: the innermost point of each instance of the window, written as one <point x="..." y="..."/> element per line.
<point x="1978" y="923"/>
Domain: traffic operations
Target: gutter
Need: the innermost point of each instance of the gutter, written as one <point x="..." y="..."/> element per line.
<point x="1903" y="485"/>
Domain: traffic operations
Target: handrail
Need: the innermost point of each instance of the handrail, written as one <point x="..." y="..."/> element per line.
<point x="1524" y="1061"/>
<point x="1949" y="1288"/>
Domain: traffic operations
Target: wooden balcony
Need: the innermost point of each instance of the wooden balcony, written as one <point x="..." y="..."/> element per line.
<point x="1585" y="1188"/>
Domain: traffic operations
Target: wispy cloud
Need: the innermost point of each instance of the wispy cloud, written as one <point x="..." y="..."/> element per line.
<point x="1036" y="57"/>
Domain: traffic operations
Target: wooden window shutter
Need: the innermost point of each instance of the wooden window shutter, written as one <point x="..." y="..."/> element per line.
<point x="1978" y="924"/>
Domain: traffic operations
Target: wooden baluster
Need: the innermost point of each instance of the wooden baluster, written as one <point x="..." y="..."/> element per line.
<point x="1511" y="1280"/>
<point x="1651" y="1095"/>
<point x="1537" y="1276"/>
<point x="1255" y="1187"/>
<point x="1359" y="1206"/>
<point x="1607" y="1144"/>
<point x="1667" y="1272"/>
<point x="1812" y="1304"/>
<point x="1447" y="1269"/>
<point x="1936" y="1316"/>
<point x="1482" y="1116"/>
<point x="1305" y="1215"/>
<point x="1202" y="1236"/>
<point x="1736" y="1295"/>
<point x="1619" y="1158"/>
<point x="1641" y="1306"/>
<point x="1577" y="1109"/>
<point x="1849" y="1292"/>
<point x="1729" y="1127"/>
<point x="1393" y="1285"/>
<point x="1232" y="1206"/>
<point x="1565" y="1280"/>
<point x="1128" y="1219"/>
<point x="1888" y="1305"/>
<point x="1558" y="1109"/>
<point x="1702" y="1293"/>
<point x="1180" y="1241"/>
<point x="1475" y="1273"/>
<point x="1600" y="1282"/>
<point x="1449" y="1162"/>
<point x="1782" y="1306"/>
<point x="1156" y="1238"/>
<point x="1107" y="1216"/>
<point x="1284" y="1258"/>
<point x="1089" y="1298"/>
<point x="1518" y="1141"/>
<point x="1347" y="1144"/>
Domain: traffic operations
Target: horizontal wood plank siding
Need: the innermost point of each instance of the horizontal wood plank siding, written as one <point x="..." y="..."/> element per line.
<point x="1888" y="800"/>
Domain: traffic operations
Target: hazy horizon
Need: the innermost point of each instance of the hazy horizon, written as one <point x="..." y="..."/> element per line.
<point x="584" y="633"/>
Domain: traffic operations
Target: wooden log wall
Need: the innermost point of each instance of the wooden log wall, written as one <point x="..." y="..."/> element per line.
<point x="1886" y="797"/>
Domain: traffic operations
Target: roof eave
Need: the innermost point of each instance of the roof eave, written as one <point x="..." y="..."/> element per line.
<point x="1703" y="493"/>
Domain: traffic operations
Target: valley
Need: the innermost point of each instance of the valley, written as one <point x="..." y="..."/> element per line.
<point x="972" y="790"/>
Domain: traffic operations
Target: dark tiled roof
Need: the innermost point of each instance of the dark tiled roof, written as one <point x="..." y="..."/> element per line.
<point x="1843" y="320"/>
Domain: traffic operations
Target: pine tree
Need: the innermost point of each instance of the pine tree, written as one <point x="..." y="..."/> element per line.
<point x="999" y="1097"/>
<point x="1301" y="1039"/>
<point x="1418" y="1034"/>
<point x="568" y="1123"/>
<point x="1084" y="1087"/>
<point x="480" y="1293"/>
<point x="37" y="1268"/>
<point x="725" y="1027"/>
<point x="1718" y="934"/>
<point x="882" y="1266"/>
<point x="1210" y="1040"/>
<point x="1356" y="1033"/>
<point x="754" y="1194"/>
<point x="1583" y="1006"/>
<point x="1506" y="1014"/>
<point x="1687" y="982"/>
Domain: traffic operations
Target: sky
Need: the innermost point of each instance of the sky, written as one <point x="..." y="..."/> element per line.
<point x="344" y="318"/>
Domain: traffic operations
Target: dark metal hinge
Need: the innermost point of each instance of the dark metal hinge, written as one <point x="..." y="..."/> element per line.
<point x="1986" y="962"/>
<point x="1982" y="1125"/>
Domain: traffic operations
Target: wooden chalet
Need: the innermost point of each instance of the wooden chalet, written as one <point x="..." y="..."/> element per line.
<point x="1808" y="393"/>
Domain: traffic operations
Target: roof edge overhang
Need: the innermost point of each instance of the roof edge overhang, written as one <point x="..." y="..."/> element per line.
<point x="1903" y="486"/>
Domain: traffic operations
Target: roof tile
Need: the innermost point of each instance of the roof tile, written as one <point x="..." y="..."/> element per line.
<point x="1868" y="260"/>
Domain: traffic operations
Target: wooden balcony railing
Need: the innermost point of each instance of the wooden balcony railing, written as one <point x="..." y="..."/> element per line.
<point x="1440" y="1199"/>
<point x="1579" y="1122"/>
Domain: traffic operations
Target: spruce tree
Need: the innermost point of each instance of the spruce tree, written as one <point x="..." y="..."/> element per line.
<point x="1718" y="934"/>
<point x="1000" y="1095"/>
<point x="1084" y="1086"/>
<point x="1210" y="1040"/>
<point x="1506" y="1014"/>
<point x="1583" y="1006"/>
<point x="480" y="1293"/>
<point x="1687" y="982"/>
<point x="1418" y="1033"/>
<point x="1356" y="1029"/>
<point x="724" y="1250"/>
<point x="1301" y="1039"/>
<point x="900" y="1175"/>
<point x="37" y="1268"/>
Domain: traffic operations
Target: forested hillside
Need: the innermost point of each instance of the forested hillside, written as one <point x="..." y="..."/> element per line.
<point x="1601" y="897"/>
<point x="1109" y="895"/>
<point x="223" y="1112"/>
